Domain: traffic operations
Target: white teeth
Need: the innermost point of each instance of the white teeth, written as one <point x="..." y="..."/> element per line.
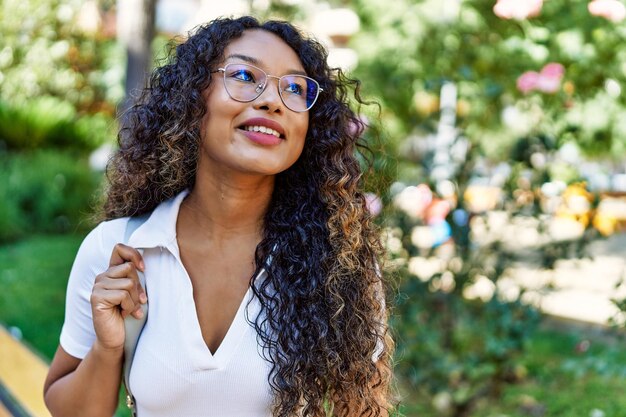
<point x="262" y="129"/>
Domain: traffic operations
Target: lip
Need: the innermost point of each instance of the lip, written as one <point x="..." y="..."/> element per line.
<point x="263" y="138"/>
<point x="260" y="121"/>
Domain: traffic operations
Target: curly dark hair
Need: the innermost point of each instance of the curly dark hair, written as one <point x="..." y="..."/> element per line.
<point x="323" y="323"/>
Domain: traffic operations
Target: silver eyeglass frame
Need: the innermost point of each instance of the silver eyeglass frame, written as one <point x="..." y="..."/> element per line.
<point x="261" y="87"/>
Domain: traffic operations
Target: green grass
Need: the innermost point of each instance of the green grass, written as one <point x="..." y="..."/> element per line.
<point x="561" y="381"/>
<point x="568" y="383"/>
<point x="33" y="277"/>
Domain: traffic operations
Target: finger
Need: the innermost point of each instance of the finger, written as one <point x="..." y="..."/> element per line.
<point x="124" y="284"/>
<point x="127" y="305"/>
<point x="123" y="271"/>
<point x="104" y="300"/>
<point x="138" y="313"/>
<point x="143" y="297"/>
<point x="122" y="253"/>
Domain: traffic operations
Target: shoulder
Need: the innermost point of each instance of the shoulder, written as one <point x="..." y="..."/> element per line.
<point x="105" y="236"/>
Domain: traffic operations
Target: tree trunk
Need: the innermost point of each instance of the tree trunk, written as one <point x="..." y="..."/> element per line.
<point x="136" y="21"/>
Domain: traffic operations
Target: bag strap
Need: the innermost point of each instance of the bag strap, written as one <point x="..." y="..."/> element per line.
<point x="132" y="325"/>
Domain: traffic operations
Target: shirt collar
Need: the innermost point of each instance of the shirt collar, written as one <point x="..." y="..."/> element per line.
<point x="159" y="229"/>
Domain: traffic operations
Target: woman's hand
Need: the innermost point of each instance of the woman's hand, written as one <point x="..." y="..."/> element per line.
<point x="117" y="293"/>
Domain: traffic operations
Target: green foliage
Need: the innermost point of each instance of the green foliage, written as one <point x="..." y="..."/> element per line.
<point x="450" y="346"/>
<point x="49" y="122"/>
<point x="618" y="321"/>
<point x="458" y="345"/>
<point x="408" y="48"/>
<point x="453" y="350"/>
<point x="44" y="191"/>
<point x="45" y="52"/>
<point x="457" y="353"/>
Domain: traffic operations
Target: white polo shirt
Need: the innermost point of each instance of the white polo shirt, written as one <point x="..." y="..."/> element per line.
<point x="174" y="372"/>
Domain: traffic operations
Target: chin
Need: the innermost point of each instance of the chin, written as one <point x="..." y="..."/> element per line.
<point x="270" y="171"/>
<point x="268" y="167"/>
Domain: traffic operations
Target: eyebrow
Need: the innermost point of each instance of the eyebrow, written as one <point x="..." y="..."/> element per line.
<point x="256" y="62"/>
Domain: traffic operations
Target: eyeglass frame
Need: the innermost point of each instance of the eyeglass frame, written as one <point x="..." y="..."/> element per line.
<point x="267" y="76"/>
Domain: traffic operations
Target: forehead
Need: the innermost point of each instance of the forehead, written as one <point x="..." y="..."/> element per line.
<point x="267" y="48"/>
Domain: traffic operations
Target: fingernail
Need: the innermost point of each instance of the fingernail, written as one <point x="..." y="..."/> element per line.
<point x="142" y="266"/>
<point x="139" y="313"/>
<point x="143" y="298"/>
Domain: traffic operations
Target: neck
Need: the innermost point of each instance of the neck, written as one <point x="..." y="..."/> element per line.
<point x="220" y="209"/>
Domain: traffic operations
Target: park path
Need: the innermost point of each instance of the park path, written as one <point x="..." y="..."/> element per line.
<point x="579" y="290"/>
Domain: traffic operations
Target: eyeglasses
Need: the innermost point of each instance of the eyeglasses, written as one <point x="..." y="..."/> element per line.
<point x="246" y="83"/>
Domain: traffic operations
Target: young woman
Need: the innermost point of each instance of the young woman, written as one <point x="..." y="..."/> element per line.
<point x="259" y="253"/>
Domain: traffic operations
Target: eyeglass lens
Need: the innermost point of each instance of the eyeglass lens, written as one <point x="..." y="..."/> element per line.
<point x="246" y="82"/>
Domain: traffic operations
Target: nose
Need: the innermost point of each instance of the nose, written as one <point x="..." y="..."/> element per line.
<point x="269" y="99"/>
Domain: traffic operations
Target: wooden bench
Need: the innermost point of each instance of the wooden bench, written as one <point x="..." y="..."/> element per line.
<point x="22" y="374"/>
<point x="4" y="412"/>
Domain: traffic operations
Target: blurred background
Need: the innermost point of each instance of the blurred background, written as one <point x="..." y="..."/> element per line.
<point x="499" y="182"/>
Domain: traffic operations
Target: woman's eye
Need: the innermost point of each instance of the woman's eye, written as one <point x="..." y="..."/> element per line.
<point x="243" y="75"/>
<point x="294" y="88"/>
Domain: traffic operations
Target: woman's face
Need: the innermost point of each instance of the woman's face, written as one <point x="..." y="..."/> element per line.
<point x="232" y="131"/>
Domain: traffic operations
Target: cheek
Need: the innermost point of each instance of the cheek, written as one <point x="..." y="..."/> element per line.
<point x="218" y="121"/>
<point x="301" y="133"/>
<point x="219" y="108"/>
<point x="304" y="132"/>
<point x="299" y="148"/>
<point x="303" y="126"/>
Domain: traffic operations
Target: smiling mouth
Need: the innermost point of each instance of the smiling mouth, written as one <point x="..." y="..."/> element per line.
<point x="262" y="129"/>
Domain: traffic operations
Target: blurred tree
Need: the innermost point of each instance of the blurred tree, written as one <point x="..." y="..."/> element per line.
<point x="537" y="73"/>
<point x="461" y="82"/>
<point x="44" y="52"/>
<point x="59" y="77"/>
<point x="136" y="30"/>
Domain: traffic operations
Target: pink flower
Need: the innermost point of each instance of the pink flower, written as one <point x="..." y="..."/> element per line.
<point x="613" y="10"/>
<point x="553" y="70"/>
<point x="548" y="85"/>
<point x="546" y="81"/>
<point x="373" y="203"/>
<point x="528" y="81"/>
<point x="517" y="9"/>
<point x="550" y="78"/>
